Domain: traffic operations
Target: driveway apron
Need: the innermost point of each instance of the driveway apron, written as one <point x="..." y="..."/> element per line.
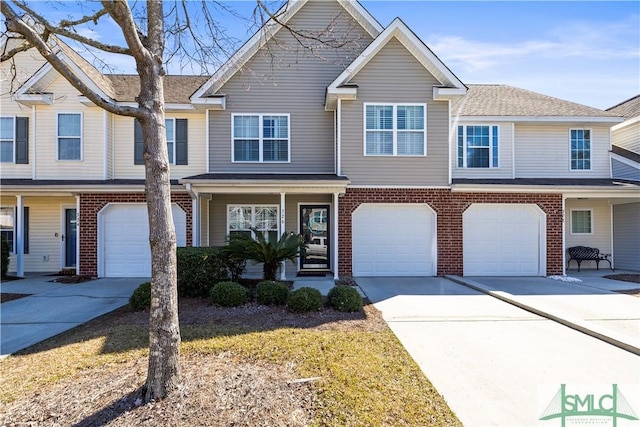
<point x="494" y="363"/>
<point x="54" y="308"/>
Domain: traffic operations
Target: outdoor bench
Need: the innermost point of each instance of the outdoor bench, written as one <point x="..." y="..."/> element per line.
<point x="585" y="253"/>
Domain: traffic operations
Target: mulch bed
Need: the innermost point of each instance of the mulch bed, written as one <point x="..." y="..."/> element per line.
<point x="73" y="280"/>
<point x="6" y="297"/>
<point x="633" y="278"/>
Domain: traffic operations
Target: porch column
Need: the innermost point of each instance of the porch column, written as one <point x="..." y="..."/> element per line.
<point x="283" y="275"/>
<point x="336" y="196"/>
<point x="195" y="221"/>
<point x="18" y="235"/>
<point x="78" y="234"/>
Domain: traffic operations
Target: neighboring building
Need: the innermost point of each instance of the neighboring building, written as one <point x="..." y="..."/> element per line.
<point x="376" y="152"/>
<point x="625" y="165"/>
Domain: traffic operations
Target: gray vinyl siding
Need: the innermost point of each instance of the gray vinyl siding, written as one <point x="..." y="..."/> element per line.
<point x="621" y="170"/>
<point x="287" y="78"/>
<point x="505" y="153"/>
<point x="626" y="236"/>
<point x="395" y="76"/>
<point x="627" y="137"/>
<point x="542" y="151"/>
<point x="218" y="217"/>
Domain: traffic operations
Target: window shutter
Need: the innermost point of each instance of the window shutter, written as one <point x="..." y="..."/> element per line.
<point x="138" y="144"/>
<point x="22" y="140"/>
<point x="25" y="235"/>
<point x="181" y="142"/>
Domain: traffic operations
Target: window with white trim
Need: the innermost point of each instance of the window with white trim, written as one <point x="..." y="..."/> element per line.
<point x="478" y="146"/>
<point x="265" y="219"/>
<point x="7" y="139"/>
<point x="170" y="125"/>
<point x="580" y="149"/>
<point x="69" y="136"/>
<point x="582" y="221"/>
<point x="7" y="225"/>
<point x="395" y="129"/>
<point x="260" y="138"/>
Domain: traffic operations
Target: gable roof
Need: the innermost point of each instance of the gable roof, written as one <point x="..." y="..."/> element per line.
<point x="398" y="30"/>
<point x="268" y="31"/>
<point x="503" y="100"/>
<point x="627" y="109"/>
<point x="177" y="89"/>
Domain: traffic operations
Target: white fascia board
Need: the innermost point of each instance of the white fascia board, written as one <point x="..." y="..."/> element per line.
<point x="542" y="119"/>
<point x="172" y="107"/>
<point x="35" y="78"/>
<point x="344" y="93"/>
<point x="213" y="103"/>
<point x="586" y="191"/>
<point x="265" y="187"/>
<point x="626" y="123"/>
<point x="30" y="99"/>
<point x="86" y="80"/>
<point x="363" y="17"/>
<point x="447" y="93"/>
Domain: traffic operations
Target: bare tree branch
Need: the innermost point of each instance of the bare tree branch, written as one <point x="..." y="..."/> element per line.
<point x="61" y="30"/>
<point x="15" y="24"/>
<point x="22" y="47"/>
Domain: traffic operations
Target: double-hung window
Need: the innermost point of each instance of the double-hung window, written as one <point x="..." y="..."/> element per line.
<point x="7" y="139"/>
<point x="395" y="130"/>
<point x="264" y="219"/>
<point x="580" y="149"/>
<point x="261" y="138"/>
<point x="69" y="136"/>
<point x="477" y="146"/>
<point x="170" y="125"/>
<point x="7" y="226"/>
<point x="582" y="221"/>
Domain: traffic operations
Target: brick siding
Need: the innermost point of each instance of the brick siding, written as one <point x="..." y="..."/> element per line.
<point x="91" y="204"/>
<point x="449" y="208"/>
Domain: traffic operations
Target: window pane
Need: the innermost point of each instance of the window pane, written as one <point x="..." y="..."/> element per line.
<point x="411" y="117"/>
<point x="6" y="151"/>
<point x="170" y="148"/>
<point x="494" y="146"/>
<point x="69" y="125"/>
<point x="581" y="222"/>
<point x="379" y="117"/>
<point x="6" y="128"/>
<point x="6" y="225"/>
<point x="477" y="157"/>
<point x="169" y="125"/>
<point x="580" y="149"/>
<point x="246" y="150"/>
<point x="460" y="146"/>
<point x="239" y="218"/>
<point x="69" y="148"/>
<point x="275" y="127"/>
<point x="246" y="127"/>
<point x="266" y="218"/>
<point x="410" y="143"/>
<point x="380" y="143"/>
<point x="275" y="151"/>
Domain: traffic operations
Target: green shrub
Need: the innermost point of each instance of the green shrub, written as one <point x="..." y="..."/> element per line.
<point x="270" y="292"/>
<point x="199" y="269"/>
<point x="344" y="298"/>
<point x="228" y="294"/>
<point x="304" y="300"/>
<point x="4" y="259"/>
<point x="141" y="298"/>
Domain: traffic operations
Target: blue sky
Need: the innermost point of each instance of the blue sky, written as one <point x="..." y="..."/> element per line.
<point x="586" y="52"/>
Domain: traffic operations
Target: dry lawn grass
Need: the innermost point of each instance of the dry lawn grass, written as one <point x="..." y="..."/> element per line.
<point x="240" y="368"/>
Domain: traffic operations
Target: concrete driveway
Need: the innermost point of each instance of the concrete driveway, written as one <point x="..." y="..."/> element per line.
<point x="495" y="363"/>
<point x="55" y="307"/>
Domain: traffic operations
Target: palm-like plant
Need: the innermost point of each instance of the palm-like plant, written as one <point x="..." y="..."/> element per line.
<point x="270" y="254"/>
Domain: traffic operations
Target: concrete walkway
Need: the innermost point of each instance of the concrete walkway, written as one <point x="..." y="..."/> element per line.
<point x="495" y="363"/>
<point x="56" y="307"/>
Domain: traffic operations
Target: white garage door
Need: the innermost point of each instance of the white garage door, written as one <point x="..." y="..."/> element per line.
<point x="125" y="239"/>
<point x="503" y="240"/>
<point x="393" y="240"/>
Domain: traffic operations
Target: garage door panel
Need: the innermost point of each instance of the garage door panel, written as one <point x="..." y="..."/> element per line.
<point x="393" y="240"/>
<point x="125" y="239"/>
<point x="503" y="240"/>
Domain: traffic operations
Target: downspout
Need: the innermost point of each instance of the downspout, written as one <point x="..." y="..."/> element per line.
<point x="339" y="138"/>
<point x="564" y="233"/>
<point x="206" y="140"/>
<point x="19" y="236"/>
<point x="33" y="138"/>
<point x="78" y="234"/>
<point x="283" y="273"/>
<point x="335" y="221"/>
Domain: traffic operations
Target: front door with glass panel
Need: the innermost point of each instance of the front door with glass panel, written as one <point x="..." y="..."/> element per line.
<point x="315" y="229"/>
<point x="70" y="237"/>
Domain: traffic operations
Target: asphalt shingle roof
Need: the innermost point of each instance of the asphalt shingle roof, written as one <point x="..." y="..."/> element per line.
<point x="177" y="89"/>
<point x="503" y="100"/>
<point x="627" y="109"/>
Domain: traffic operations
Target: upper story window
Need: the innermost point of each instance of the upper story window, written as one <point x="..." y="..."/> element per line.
<point x="477" y="146"/>
<point x="7" y="139"/>
<point x="580" y="149"/>
<point x="14" y="140"/>
<point x="177" y="141"/>
<point x="69" y="136"/>
<point x="265" y="219"/>
<point x="261" y="138"/>
<point x="395" y="130"/>
<point x="582" y="221"/>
